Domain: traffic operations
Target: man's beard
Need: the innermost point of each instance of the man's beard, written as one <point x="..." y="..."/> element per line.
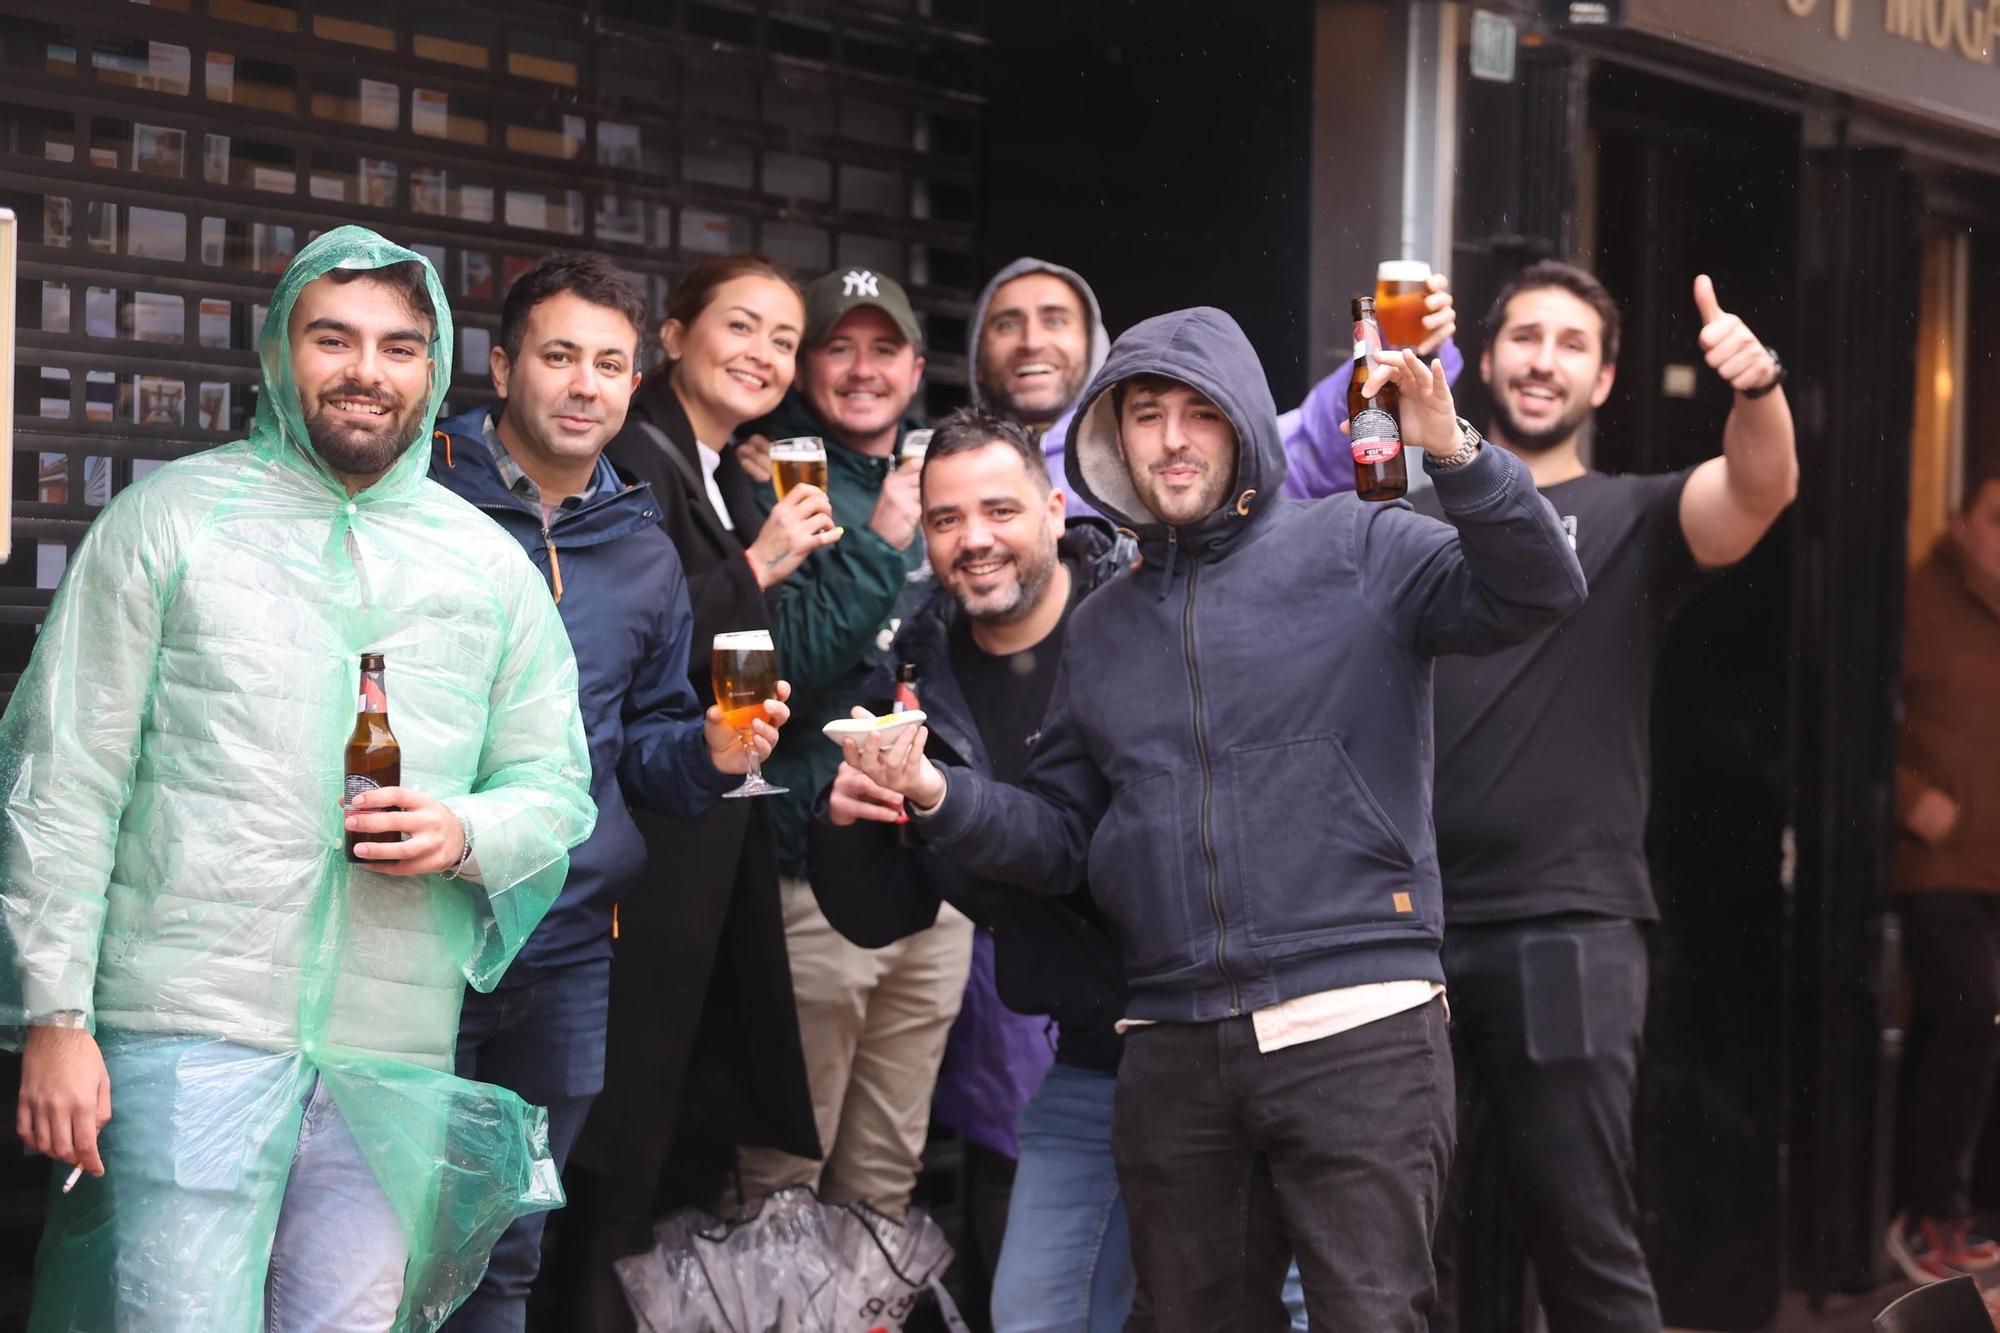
<point x="1031" y="580"/>
<point x="355" y="452"/>
<point x="1199" y="502"/>
<point x="1540" y="441"/>
<point x="999" y="392"/>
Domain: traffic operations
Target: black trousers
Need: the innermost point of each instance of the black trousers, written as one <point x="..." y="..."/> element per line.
<point x="1231" y="1161"/>
<point x="1547" y="1021"/>
<point x="1951" y="950"/>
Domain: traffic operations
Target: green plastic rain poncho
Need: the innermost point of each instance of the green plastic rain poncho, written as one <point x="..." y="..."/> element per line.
<point x="171" y="864"/>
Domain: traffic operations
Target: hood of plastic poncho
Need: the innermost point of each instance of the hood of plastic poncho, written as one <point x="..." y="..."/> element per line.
<point x="1100" y="341"/>
<point x="1205" y="348"/>
<point x="279" y="429"/>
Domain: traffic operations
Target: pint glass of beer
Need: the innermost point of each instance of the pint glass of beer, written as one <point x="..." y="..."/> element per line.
<point x="915" y="445"/>
<point x="800" y="461"/>
<point x="745" y="674"/>
<point x="1401" y="286"/>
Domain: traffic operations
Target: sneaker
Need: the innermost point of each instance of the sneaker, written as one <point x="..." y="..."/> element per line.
<point x="1928" y="1250"/>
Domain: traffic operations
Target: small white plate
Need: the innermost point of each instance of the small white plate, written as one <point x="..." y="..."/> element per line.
<point x="841" y="728"/>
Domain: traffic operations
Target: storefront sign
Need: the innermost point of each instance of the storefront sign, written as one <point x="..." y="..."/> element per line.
<point x="1937" y="57"/>
<point x="1493" y="41"/>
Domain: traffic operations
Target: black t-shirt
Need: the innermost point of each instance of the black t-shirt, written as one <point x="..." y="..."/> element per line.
<point x="1543" y="750"/>
<point x="1008" y="694"/>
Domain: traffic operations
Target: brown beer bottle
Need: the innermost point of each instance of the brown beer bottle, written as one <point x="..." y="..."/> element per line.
<point x="373" y="757"/>
<point x="1380" y="470"/>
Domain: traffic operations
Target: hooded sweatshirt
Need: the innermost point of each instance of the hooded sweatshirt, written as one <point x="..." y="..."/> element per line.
<point x="1054" y="439"/>
<point x="1237" y="753"/>
<point x="171" y="862"/>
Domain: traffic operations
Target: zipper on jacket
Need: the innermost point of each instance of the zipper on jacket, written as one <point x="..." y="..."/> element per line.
<point x="1207" y="782"/>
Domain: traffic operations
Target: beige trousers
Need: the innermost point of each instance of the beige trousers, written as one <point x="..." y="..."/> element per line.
<point x="874" y="1023"/>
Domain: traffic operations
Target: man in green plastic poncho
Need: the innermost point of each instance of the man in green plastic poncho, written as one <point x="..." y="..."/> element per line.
<point x="273" y="1136"/>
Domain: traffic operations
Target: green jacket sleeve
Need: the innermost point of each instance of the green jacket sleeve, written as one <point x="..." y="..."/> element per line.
<point x="530" y="801"/>
<point x="69" y="746"/>
<point x="830" y="609"/>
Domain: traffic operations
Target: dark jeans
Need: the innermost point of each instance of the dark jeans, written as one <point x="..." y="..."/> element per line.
<point x="1232" y="1160"/>
<point x="543" y="1040"/>
<point x="1951" y="949"/>
<point x="1547" y="1021"/>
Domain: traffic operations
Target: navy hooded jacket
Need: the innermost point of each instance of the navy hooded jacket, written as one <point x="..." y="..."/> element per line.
<point x="625" y="604"/>
<point x="1237" y="754"/>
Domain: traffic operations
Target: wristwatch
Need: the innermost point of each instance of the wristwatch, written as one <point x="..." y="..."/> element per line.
<point x="1468" y="449"/>
<point x="1777" y="376"/>
<point x="465" y="853"/>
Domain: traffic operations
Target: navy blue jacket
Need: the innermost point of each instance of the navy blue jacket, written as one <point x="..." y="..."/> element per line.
<point x="1237" y="754"/>
<point x="625" y="605"/>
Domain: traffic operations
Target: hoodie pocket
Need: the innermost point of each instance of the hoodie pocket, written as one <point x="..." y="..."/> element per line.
<point x="1315" y="851"/>
<point x="1136" y="876"/>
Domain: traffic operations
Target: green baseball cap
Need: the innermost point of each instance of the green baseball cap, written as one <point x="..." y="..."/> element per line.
<point x="829" y="298"/>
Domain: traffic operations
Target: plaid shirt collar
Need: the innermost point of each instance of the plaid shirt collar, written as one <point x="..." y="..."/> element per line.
<point x="520" y="483"/>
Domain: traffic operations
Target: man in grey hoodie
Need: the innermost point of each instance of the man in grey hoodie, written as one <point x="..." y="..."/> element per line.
<point x="1036" y="337"/>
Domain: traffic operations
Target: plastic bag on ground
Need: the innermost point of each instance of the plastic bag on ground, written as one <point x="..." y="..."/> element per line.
<point x="799" y="1265"/>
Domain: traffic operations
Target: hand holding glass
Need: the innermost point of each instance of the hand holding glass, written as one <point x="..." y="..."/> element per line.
<point x="745" y="675"/>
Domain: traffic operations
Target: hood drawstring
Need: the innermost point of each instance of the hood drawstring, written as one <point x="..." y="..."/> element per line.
<point x="444" y="435"/>
<point x="555" y="565"/>
<point x="1167" y="569"/>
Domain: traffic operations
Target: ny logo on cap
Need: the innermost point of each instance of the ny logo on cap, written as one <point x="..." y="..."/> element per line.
<point x="860" y="282"/>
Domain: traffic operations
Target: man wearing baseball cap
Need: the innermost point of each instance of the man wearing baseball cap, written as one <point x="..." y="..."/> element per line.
<point x="873" y="1021"/>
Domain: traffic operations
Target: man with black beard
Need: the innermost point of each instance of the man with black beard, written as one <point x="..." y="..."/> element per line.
<point x="179" y="928"/>
<point x="986" y="646"/>
<point x="1542" y="771"/>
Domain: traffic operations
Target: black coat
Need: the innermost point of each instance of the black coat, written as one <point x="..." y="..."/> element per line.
<point x="703" y="1040"/>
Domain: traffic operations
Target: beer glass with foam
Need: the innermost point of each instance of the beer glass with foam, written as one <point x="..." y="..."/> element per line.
<point x="1401" y="287"/>
<point x="744" y="671"/>
<point x="800" y="461"/>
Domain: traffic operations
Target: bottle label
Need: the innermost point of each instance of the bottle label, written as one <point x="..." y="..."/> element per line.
<point x="374" y="699"/>
<point x="1376" y="439"/>
<point x="358" y="783"/>
<point x="906" y="698"/>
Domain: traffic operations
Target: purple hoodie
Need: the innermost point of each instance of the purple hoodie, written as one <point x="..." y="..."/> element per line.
<point x="1318" y="455"/>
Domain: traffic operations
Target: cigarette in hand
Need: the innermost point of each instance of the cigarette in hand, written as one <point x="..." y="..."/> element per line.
<point x="75" y="1174"/>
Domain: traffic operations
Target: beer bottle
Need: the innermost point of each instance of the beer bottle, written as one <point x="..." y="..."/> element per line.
<point x="1380" y="470"/>
<point x="373" y="757"/>
<point x="906" y="702"/>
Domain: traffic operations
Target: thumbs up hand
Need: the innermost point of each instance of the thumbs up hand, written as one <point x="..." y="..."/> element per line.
<point x="1732" y="350"/>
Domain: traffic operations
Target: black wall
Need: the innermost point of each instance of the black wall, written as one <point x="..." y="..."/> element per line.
<point x="1162" y="149"/>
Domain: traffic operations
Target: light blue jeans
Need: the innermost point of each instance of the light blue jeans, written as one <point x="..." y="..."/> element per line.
<point x="337" y="1261"/>
<point x="1066" y="1260"/>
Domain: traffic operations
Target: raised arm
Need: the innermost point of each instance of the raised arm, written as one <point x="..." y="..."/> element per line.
<point x="1319" y="456"/>
<point x="1508" y="570"/>
<point x="1730" y="502"/>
